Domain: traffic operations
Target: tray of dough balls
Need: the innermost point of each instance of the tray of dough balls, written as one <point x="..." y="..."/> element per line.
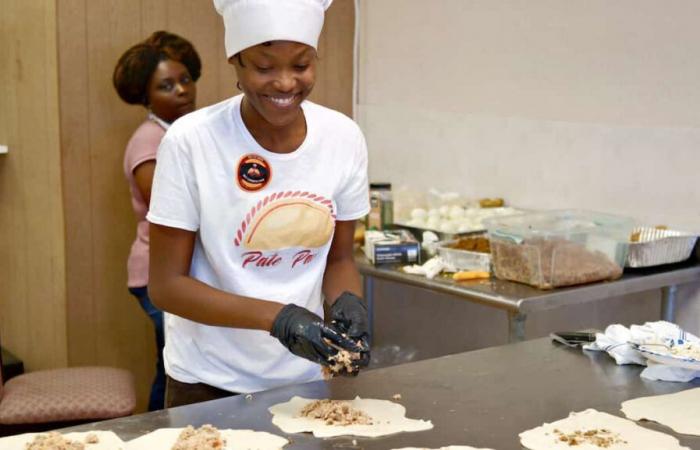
<point x="449" y="222"/>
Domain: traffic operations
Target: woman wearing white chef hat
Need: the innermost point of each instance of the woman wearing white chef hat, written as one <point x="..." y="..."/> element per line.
<point x="252" y="217"/>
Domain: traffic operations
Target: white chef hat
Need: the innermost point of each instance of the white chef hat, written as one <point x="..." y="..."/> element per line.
<point x="252" y="22"/>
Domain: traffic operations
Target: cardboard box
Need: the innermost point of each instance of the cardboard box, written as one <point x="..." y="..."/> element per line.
<point x="391" y="247"/>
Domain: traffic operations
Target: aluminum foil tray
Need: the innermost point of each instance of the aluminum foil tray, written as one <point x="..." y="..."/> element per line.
<point x="463" y="259"/>
<point x="656" y="247"/>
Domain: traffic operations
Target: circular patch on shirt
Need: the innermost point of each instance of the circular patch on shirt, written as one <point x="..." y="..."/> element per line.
<point x="253" y="173"/>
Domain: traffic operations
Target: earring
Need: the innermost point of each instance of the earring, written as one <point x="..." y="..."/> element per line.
<point x="238" y="85"/>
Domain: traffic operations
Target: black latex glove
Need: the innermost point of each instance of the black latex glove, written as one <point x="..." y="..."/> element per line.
<point x="303" y="333"/>
<point x="349" y="315"/>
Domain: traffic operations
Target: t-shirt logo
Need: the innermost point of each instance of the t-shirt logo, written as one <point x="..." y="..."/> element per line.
<point x="253" y="173"/>
<point x="286" y="220"/>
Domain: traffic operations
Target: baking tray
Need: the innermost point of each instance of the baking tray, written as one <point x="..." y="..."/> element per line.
<point x="442" y="236"/>
<point x="463" y="259"/>
<point x="656" y="247"/>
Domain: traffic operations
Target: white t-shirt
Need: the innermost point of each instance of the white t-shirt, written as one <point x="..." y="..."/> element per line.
<point x="264" y="224"/>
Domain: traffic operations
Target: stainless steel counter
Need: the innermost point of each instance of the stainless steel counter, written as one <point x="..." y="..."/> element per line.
<point x="482" y="398"/>
<point x="518" y="300"/>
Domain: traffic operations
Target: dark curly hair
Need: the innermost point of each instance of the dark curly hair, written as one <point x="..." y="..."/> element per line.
<point x="136" y="65"/>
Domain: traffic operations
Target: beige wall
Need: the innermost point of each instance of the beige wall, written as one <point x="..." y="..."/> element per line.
<point x="32" y="265"/>
<point x="64" y="203"/>
<point x="590" y="103"/>
<point x="550" y="104"/>
<point x="106" y="323"/>
<point x="335" y="51"/>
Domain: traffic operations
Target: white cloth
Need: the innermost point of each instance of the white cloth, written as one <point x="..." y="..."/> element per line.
<point x="431" y="268"/>
<point x="619" y="342"/>
<point x="429" y="243"/>
<point x="195" y="188"/>
<point x="252" y="22"/>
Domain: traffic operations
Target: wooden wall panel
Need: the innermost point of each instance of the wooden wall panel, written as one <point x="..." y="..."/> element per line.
<point x="32" y="271"/>
<point x="106" y="323"/>
<point x="154" y="15"/>
<point x="199" y="22"/>
<point x="111" y="28"/>
<point x="12" y="241"/>
<point x="334" y="79"/>
<point x="77" y="199"/>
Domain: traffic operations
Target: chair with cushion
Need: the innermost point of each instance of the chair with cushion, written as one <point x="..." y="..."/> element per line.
<point x="55" y="398"/>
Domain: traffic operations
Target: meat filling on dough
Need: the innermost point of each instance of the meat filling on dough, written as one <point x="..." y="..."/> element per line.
<point x="335" y="412"/>
<point x="205" y="437"/>
<point x="53" y="441"/>
<point x="599" y="437"/>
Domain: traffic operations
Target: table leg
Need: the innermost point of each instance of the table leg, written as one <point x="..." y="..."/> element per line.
<point x="516" y="326"/>
<point x="668" y="302"/>
<point x="368" y="288"/>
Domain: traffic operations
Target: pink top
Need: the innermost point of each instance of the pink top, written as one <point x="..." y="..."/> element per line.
<point x="142" y="147"/>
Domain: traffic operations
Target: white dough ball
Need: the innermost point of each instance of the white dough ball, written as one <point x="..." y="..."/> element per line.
<point x="456" y="212"/>
<point x="433" y="222"/>
<point x="448" y="227"/>
<point x="419" y="213"/>
<point x="419" y="223"/>
<point x="463" y="228"/>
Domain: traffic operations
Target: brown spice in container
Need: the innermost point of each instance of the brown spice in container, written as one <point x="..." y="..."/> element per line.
<point x="335" y="412"/>
<point x="472" y="244"/>
<point x="550" y="263"/>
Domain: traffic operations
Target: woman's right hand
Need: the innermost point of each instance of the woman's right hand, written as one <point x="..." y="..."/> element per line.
<point x="305" y="334"/>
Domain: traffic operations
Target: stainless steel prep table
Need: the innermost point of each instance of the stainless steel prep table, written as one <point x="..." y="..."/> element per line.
<point x="482" y="398"/>
<point x="518" y="300"/>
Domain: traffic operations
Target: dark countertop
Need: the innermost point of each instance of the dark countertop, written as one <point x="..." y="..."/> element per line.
<point x="481" y="398"/>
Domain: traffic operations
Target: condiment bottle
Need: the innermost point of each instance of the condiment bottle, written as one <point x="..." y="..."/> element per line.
<point x="381" y="213"/>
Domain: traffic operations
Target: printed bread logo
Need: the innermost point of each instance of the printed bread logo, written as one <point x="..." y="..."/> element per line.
<point x="253" y="173"/>
<point x="287" y="220"/>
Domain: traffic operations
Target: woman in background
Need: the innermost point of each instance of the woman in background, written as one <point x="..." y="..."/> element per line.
<point x="159" y="74"/>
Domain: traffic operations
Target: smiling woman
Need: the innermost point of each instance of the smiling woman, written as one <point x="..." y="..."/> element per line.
<point x="276" y="79"/>
<point x="160" y="74"/>
<point x="252" y="219"/>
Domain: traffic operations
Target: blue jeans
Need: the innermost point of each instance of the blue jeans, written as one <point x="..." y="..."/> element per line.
<point x="157" y="399"/>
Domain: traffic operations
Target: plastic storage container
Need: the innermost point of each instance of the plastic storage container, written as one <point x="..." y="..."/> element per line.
<point x="559" y="248"/>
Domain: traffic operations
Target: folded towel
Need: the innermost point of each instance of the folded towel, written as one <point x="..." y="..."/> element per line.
<point x="431" y="268"/>
<point x="617" y="341"/>
<point x="620" y="342"/>
<point x="662" y="372"/>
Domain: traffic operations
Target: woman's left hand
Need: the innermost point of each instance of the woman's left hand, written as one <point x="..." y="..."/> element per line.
<point x="349" y="315"/>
